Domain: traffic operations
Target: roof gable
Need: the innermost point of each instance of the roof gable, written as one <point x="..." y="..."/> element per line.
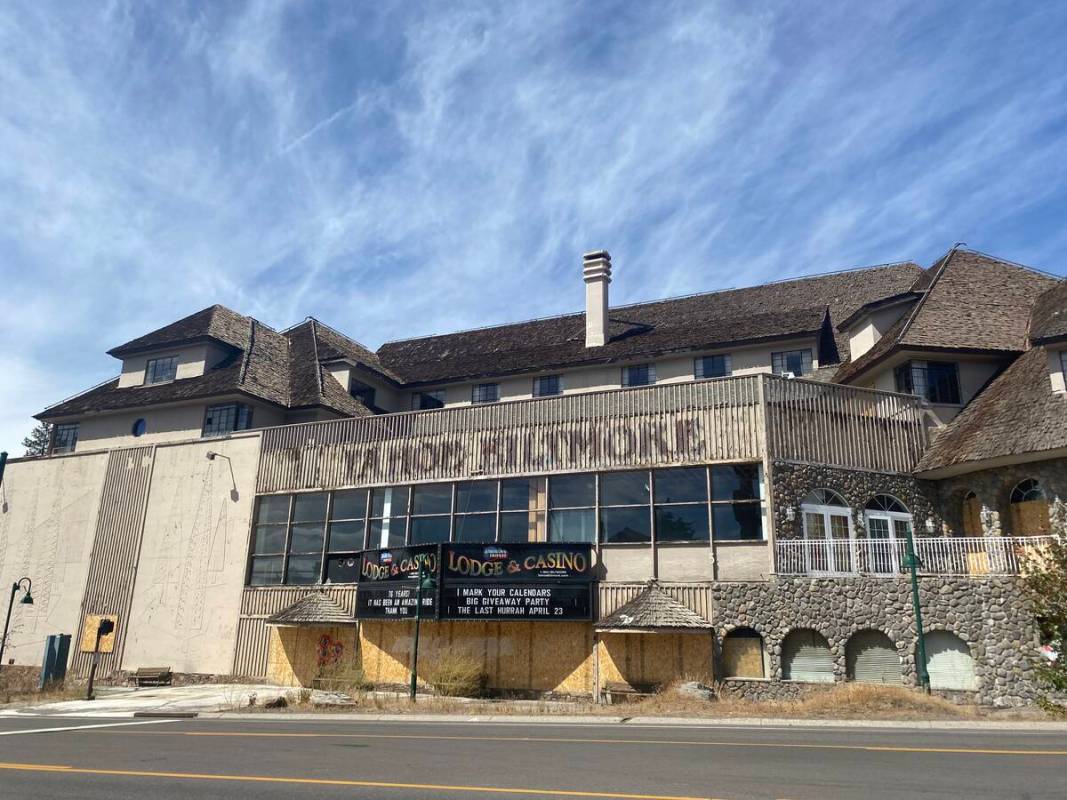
<point x="653" y="609"/>
<point x="1048" y="322"/>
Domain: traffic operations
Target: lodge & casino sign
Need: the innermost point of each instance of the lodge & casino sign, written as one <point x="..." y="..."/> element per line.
<point x="534" y="581"/>
<point x="388" y="582"/>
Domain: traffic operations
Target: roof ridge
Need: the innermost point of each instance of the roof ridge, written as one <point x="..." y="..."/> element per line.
<point x="673" y="298"/>
<point x="1011" y="263"/>
<point x="944" y="262"/>
<point x="315" y="350"/>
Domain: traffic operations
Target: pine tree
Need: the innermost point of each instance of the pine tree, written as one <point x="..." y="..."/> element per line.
<point x="36" y="443"/>
<point x="1045" y="581"/>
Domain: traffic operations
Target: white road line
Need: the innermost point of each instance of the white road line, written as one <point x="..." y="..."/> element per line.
<point x="86" y="727"/>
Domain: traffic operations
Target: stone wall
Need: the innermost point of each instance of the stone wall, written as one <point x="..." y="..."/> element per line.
<point x="989" y="614"/>
<point x="993" y="488"/>
<point x="792" y="483"/>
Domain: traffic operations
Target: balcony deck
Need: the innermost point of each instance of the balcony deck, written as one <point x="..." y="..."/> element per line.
<point x="746" y="418"/>
<point x="883" y="558"/>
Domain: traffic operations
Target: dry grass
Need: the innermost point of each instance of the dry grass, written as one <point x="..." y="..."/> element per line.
<point x="18" y="685"/>
<point x="457" y="675"/>
<point x="846" y="701"/>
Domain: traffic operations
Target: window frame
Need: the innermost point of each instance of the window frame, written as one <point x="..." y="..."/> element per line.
<point x="626" y="379"/>
<point x="419" y="398"/>
<point x="151" y="380"/>
<point x="779" y="361"/>
<point x="480" y="394"/>
<point x="363" y="392"/>
<point x="239" y="408"/>
<point x="70" y="442"/>
<point x="700" y="367"/>
<point x="537" y="390"/>
<point x="913" y="377"/>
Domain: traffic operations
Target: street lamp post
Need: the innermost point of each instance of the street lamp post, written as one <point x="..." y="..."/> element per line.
<point x="27" y="599"/>
<point x="425" y="582"/>
<point x="912" y="562"/>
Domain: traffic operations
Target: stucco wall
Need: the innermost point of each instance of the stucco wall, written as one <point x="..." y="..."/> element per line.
<point x="744" y="361"/>
<point x="187" y="594"/>
<point x="48" y="511"/>
<point x="163" y="424"/>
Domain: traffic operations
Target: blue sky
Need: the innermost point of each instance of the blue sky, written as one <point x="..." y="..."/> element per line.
<point x="398" y="169"/>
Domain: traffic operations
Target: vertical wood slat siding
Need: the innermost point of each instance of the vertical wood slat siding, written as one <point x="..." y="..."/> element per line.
<point x="707" y="421"/>
<point x="694" y="596"/>
<point x="257" y="604"/>
<point x="116" y="547"/>
<point x="843" y="426"/>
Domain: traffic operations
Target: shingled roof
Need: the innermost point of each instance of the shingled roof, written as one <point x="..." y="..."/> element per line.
<point x="652" y="610"/>
<point x="1048" y="322"/>
<point x="216" y="323"/>
<point x="775" y="311"/>
<point x="1017" y="414"/>
<point x="315" y="609"/>
<point x="974" y="302"/>
<point x="256" y="367"/>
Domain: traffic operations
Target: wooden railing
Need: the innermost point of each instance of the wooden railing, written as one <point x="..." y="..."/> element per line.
<point x="725" y="419"/>
<point x="975" y="556"/>
<point x="681" y="423"/>
<point x="827" y="423"/>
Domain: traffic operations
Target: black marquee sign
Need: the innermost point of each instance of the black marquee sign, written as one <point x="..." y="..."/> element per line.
<point x="388" y="582"/>
<point x="518" y="582"/>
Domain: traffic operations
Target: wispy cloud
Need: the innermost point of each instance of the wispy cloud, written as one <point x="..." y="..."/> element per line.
<point x="404" y="168"/>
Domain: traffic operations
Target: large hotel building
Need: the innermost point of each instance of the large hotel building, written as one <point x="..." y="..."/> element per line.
<point x="720" y="487"/>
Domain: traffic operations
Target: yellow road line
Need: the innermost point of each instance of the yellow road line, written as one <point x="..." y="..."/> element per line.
<point x="646" y="742"/>
<point x="439" y="787"/>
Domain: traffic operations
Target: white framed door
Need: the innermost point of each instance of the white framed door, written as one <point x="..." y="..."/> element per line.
<point x="833" y="536"/>
<point x="887" y="533"/>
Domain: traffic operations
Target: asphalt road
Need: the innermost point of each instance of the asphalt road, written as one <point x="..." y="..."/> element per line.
<point x="87" y="759"/>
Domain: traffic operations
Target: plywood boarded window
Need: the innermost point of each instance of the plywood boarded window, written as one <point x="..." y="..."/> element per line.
<point x="742" y="654"/>
<point x="1029" y="509"/>
<point x="972" y="515"/>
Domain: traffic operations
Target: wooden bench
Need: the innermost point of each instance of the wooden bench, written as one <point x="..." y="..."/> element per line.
<point x="152" y="676"/>
<point x="622" y="690"/>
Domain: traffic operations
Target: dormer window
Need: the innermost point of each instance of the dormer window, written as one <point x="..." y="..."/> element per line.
<point x="363" y="393"/>
<point x="161" y="370"/>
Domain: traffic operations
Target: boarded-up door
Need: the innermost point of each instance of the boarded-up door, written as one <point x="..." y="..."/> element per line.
<point x="972" y="516"/>
<point x="806" y="657"/>
<point x="949" y="662"/>
<point x="872" y="658"/>
<point x="1030" y="518"/>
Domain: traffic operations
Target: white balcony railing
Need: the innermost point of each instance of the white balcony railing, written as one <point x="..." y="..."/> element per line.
<point x="991" y="555"/>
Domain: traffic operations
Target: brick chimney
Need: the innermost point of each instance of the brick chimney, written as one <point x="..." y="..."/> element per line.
<point x="596" y="271"/>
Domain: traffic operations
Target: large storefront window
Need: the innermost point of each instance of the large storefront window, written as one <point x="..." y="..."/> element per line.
<point x="316" y="536"/>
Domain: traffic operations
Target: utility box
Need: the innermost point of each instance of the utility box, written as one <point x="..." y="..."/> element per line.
<point x="54" y="664"/>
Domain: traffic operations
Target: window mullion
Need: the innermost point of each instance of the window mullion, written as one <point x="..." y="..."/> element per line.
<point x="288" y="539"/>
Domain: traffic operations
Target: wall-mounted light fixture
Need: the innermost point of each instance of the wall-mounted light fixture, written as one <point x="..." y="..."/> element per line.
<point x="211" y="455"/>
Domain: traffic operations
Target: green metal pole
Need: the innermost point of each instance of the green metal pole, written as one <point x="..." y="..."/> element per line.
<point x="415" y="643"/>
<point x="912" y="562"/>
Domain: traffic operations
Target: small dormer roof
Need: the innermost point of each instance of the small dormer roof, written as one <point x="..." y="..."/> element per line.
<point x="215" y="323"/>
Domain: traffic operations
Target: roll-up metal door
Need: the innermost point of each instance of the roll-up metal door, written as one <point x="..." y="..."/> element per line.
<point x="806" y="657"/>
<point x="949" y="662"/>
<point x="872" y="658"/>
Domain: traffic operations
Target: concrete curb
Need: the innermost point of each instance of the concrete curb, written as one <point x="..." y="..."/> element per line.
<point x="679" y="722"/>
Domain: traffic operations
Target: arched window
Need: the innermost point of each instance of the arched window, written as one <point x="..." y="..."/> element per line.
<point x="949" y="662"/>
<point x="743" y="654"/>
<point x="828" y="526"/>
<point x="1029" y="509"/>
<point x="888" y="524"/>
<point x="806" y="657"/>
<point x="871" y="657"/>
<point x="972" y="515"/>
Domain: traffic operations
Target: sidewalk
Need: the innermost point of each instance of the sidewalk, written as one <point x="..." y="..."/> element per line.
<point x="224" y="701"/>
